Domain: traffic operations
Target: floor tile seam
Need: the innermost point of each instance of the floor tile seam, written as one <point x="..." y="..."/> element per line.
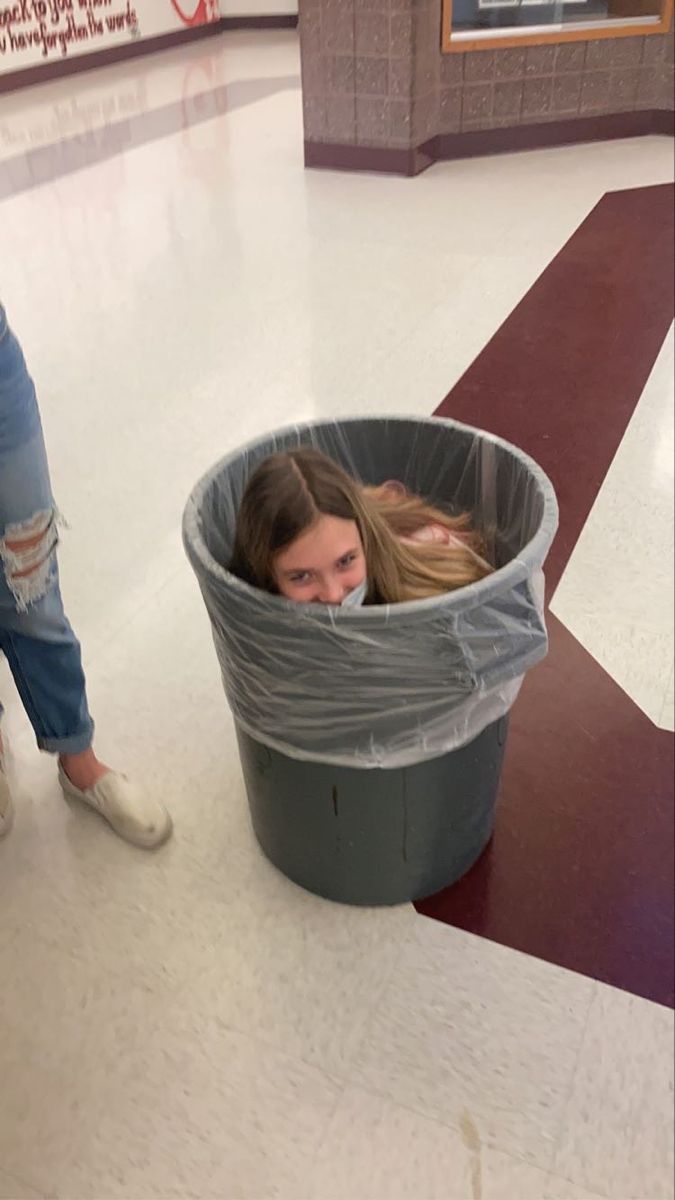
<point x="103" y="644"/>
<point x="282" y="1055"/>
<point x="47" y="1188"/>
<point x="622" y="618"/>
<point x="571" y="624"/>
<point x="24" y="1182"/>
<point x="379" y="994"/>
<point x="342" y="1089"/>
<point x="399" y="345"/>
<point x="553" y="1178"/>
<point x="590" y="1001"/>
<point x="624" y="621"/>
<point x="478" y="941"/>
<point x="563" y="1123"/>
<point x="103" y="973"/>
<point x="339" y="1075"/>
<point x="665" y="706"/>
<point x="489" y="1143"/>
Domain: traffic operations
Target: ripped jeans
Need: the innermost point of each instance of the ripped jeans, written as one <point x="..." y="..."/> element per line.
<point x="40" y="647"/>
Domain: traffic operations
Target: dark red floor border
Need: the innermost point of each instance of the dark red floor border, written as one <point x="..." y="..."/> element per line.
<point x="580" y="871"/>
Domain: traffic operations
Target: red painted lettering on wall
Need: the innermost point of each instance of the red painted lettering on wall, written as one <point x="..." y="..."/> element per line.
<point x="32" y="31"/>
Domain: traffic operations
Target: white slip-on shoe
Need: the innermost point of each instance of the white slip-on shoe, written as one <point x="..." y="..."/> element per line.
<point x="133" y="815"/>
<point x="6" y="805"/>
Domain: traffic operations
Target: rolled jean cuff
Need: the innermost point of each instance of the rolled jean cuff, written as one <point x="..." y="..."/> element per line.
<point x="77" y="743"/>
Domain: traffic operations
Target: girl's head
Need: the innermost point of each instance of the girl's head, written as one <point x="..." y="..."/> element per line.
<point x="309" y="532"/>
<point x="300" y="530"/>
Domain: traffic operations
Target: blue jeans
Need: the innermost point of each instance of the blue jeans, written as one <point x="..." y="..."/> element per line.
<point x="39" y="644"/>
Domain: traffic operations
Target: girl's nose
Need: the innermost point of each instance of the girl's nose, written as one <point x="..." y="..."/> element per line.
<point x="331" y="592"/>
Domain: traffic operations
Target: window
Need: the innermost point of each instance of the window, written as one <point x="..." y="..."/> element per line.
<point x="475" y="24"/>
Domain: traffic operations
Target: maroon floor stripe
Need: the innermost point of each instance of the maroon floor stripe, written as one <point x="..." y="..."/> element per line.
<point x="580" y="871"/>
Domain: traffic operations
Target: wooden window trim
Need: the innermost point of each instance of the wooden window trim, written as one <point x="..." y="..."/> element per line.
<point x="450" y="45"/>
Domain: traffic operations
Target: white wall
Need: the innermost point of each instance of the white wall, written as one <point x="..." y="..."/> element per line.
<point x="258" y="8"/>
<point x="44" y="31"/>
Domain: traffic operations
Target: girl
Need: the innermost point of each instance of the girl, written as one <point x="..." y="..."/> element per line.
<point x="307" y="531"/>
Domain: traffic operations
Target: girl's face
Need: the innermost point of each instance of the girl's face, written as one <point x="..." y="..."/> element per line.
<point x="323" y="565"/>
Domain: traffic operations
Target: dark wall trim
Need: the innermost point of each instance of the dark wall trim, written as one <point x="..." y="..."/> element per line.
<point x="15" y="80"/>
<point x="448" y="146"/>
<point x="554" y="133"/>
<point x="278" y="21"/>
<point x="335" y="157"/>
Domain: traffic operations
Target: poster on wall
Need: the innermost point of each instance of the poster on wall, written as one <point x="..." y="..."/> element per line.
<point x="35" y="32"/>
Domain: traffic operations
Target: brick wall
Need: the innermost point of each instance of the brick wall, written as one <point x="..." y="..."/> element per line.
<point x="374" y="76"/>
<point x="493" y="89"/>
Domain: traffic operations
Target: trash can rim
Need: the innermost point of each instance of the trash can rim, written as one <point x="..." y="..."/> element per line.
<point x="464" y="598"/>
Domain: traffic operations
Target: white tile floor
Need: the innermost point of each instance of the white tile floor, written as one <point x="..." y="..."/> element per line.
<point x="190" y="1024"/>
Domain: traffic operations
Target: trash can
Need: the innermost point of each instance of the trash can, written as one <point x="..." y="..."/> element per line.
<point x="371" y="739"/>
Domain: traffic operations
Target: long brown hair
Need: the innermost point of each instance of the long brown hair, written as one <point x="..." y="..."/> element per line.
<point x="288" y="492"/>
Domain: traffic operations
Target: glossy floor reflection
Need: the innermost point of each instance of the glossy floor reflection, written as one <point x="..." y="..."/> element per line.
<point x="190" y="1024"/>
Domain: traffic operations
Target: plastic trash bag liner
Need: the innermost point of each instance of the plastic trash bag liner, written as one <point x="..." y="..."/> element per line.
<point x="382" y="685"/>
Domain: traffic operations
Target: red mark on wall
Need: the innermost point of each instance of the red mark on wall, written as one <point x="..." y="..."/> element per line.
<point x="196" y="12"/>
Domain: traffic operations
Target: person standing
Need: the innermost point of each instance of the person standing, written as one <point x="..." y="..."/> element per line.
<point x="35" y="636"/>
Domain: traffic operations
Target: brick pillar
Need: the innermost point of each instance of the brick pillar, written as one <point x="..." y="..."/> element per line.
<point x="379" y="94"/>
<point x="370" y="81"/>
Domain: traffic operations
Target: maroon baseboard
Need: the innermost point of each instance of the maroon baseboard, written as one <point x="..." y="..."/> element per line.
<point x="334" y="157"/>
<point x="278" y="21"/>
<point x="29" y="76"/>
<point x="448" y="146"/>
<point x="553" y="133"/>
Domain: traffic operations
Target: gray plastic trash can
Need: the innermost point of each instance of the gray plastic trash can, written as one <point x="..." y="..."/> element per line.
<point x="371" y="739"/>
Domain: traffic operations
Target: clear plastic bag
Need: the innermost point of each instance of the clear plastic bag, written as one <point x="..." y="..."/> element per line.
<point x="382" y="685"/>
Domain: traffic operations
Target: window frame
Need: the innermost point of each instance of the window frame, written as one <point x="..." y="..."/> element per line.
<point x="513" y="39"/>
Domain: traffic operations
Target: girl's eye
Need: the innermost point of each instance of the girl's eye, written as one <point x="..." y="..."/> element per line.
<point x="347" y="560"/>
<point x="303" y="578"/>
